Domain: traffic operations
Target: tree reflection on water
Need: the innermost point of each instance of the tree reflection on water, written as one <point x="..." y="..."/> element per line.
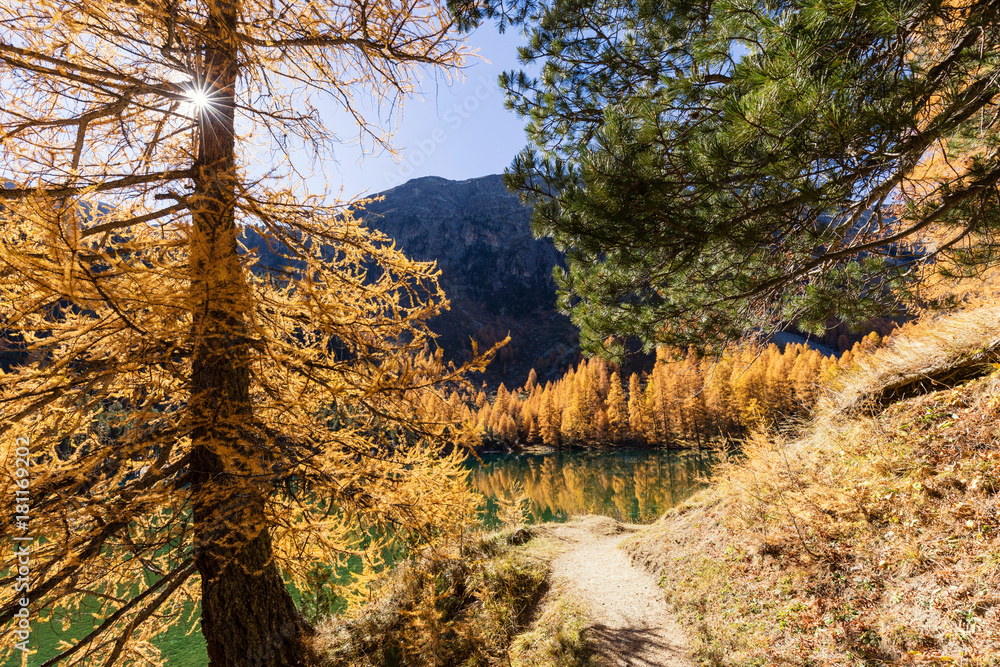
<point x="636" y="486"/>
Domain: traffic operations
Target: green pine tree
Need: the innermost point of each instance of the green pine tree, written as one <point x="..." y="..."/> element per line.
<point x="714" y="168"/>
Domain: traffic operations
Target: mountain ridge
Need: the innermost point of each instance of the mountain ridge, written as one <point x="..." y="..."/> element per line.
<point x="496" y="274"/>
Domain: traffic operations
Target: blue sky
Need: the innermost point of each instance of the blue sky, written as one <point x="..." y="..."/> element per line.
<point x="456" y="131"/>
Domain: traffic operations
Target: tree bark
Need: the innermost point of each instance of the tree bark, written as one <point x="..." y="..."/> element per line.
<point x="248" y="616"/>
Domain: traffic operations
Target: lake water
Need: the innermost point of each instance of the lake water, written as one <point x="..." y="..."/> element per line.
<point x="629" y="485"/>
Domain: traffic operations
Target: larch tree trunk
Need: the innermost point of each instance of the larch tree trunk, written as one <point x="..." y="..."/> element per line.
<point x="248" y="616"/>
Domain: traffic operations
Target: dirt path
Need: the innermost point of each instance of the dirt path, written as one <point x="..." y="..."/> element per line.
<point x="631" y="623"/>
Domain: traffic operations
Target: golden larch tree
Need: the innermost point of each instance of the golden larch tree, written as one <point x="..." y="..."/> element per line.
<point x="695" y="416"/>
<point x="202" y="424"/>
<point x="550" y="421"/>
<point x="617" y="410"/>
<point x="636" y="414"/>
<point x="717" y="371"/>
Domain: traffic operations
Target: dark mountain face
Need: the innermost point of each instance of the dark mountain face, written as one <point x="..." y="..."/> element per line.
<point x="496" y="274"/>
<point x="480" y="235"/>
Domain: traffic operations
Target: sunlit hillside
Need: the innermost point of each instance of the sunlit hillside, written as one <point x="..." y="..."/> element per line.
<point x="873" y="537"/>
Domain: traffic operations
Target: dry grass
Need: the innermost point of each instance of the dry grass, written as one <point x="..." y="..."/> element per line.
<point x="443" y="611"/>
<point x="559" y="636"/>
<point x="924" y="356"/>
<point x="874" y="538"/>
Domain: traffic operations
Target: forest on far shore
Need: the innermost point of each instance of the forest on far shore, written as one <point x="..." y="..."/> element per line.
<point x="687" y="399"/>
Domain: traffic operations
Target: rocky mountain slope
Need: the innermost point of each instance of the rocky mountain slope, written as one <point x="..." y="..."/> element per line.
<point x="496" y="274"/>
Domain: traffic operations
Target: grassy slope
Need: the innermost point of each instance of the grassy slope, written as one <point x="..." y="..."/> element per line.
<point x="493" y="606"/>
<point x="440" y="609"/>
<point x="872" y="538"/>
<point x="558" y="637"/>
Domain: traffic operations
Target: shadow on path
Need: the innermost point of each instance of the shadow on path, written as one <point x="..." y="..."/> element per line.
<point x="630" y="623"/>
<point x="635" y="647"/>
